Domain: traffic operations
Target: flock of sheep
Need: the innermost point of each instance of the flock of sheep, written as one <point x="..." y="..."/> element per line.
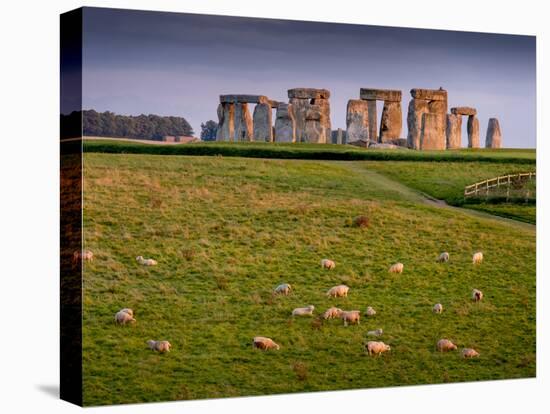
<point x="353" y="316"/>
<point x="126" y="315"/>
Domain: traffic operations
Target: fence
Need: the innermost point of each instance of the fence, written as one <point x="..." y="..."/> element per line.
<point x="482" y="188"/>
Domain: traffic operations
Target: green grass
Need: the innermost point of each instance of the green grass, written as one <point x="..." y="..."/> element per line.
<point x="309" y="151"/>
<point x="226" y="231"/>
<point x="446" y="181"/>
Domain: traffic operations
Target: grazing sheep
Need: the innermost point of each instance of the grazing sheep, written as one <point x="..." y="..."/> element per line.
<point x="84" y="255"/>
<point x="328" y="264"/>
<point x="477" y="258"/>
<point x="377" y="332"/>
<point x="350" y="317"/>
<point x="477" y="295"/>
<point x="332" y="313"/>
<point x="377" y="348"/>
<point x="444" y="345"/>
<point x="443" y="257"/>
<point x="396" y="268"/>
<point x="124" y="316"/>
<point x="438" y="308"/>
<point x="146" y="262"/>
<point x="307" y="311"/>
<point x="337" y="291"/>
<point x="370" y="311"/>
<point x="264" y="343"/>
<point x="469" y="353"/>
<point x="159" y="346"/>
<point x="283" y="289"/>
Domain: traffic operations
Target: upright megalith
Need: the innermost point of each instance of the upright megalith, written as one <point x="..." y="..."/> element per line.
<point x="262" y="129"/>
<point x="226" y="117"/>
<point x="285" y="123"/>
<point x="432" y="132"/>
<point x="310" y="103"/>
<point x="493" y="138"/>
<point x="427" y="120"/>
<point x="243" y="123"/>
<point x="357" y="120"/>
<point x="454" y="131"/>
<point x="473" y="132"/>
<point x="391" y="123"/>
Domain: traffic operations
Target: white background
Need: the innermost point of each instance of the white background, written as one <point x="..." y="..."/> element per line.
<point x="29" y="107"/>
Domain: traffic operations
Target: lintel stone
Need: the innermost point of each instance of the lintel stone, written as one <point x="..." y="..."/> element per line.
<point x="389" y="95"/>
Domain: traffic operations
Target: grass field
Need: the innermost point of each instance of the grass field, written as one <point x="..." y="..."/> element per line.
<point x="446" y="181"/>
<point x="226" y="231"/>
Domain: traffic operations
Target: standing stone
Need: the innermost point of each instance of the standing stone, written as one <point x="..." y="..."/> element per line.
<point x="473" y="132"/>
<point x="227" y="127"/>
<point x="432" y="134"/>
<point x="314" y="130"/>
<point x="300" y="107"/>
<point x="285" y="123"/>
<point x="391" y="123"/>
<point x="324" y="106"/>
<point x="493" y="138"/>
<point x="454" y="131"/>
<point x="220" y="123"/>
<point x="262" y="123"/>
<point x="243" y="123"/>
<point x="417" y="107"/>
<point x="340" y="137"/>
<point x="357" y="120"/>
<point x="373" y="120"/>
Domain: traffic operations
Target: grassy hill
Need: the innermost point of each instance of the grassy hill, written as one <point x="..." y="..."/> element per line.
<point x="226" y="231"/>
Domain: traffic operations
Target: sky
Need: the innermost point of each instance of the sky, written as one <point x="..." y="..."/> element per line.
<point x="178" y="64"/>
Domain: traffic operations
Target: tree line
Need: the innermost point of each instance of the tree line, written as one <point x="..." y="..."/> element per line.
<point x="155" y="127"/>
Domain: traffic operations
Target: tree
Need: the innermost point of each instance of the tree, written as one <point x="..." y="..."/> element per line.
<point x="209" y="130"/>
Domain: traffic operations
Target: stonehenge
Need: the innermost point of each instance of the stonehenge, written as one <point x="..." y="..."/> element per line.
<point x="454" y="127"/>
<point x="427" y="120"/>
<point x="493" y="138"/>
<point x="361" y="116"/>
<point x="306" y="118"/>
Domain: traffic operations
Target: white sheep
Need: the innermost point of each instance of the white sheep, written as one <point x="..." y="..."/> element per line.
<point x="438" y="308"/>
<point x="350" y="317"/>
<point x="477" y="258"/>
<point x="283" y="289"/>
<point x="396" y="268"/>
<point x="377" y="348"/>
<point x="328" y="264"/>
<point x="477" y="295"/>
<point x="146" y="262"/>
<point x="337" y="291"/>
<point x="443" y="257"/>
<point x="332" y="313"/>
<point x="264" y="343"/>
<point x="370" y="311"/>
<point x="307" y="311"/>
<point x="159" y="346"/>
<point x="377" y="332"/>
<point x="124" y="316"/>
<point x="444" y="345"/>
<point x="469" y="353"/>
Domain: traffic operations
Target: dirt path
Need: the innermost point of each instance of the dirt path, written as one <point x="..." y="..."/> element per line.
<point x="416" y="196"/>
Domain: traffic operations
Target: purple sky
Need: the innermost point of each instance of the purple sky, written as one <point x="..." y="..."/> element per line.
<point x="178" y="64"/>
